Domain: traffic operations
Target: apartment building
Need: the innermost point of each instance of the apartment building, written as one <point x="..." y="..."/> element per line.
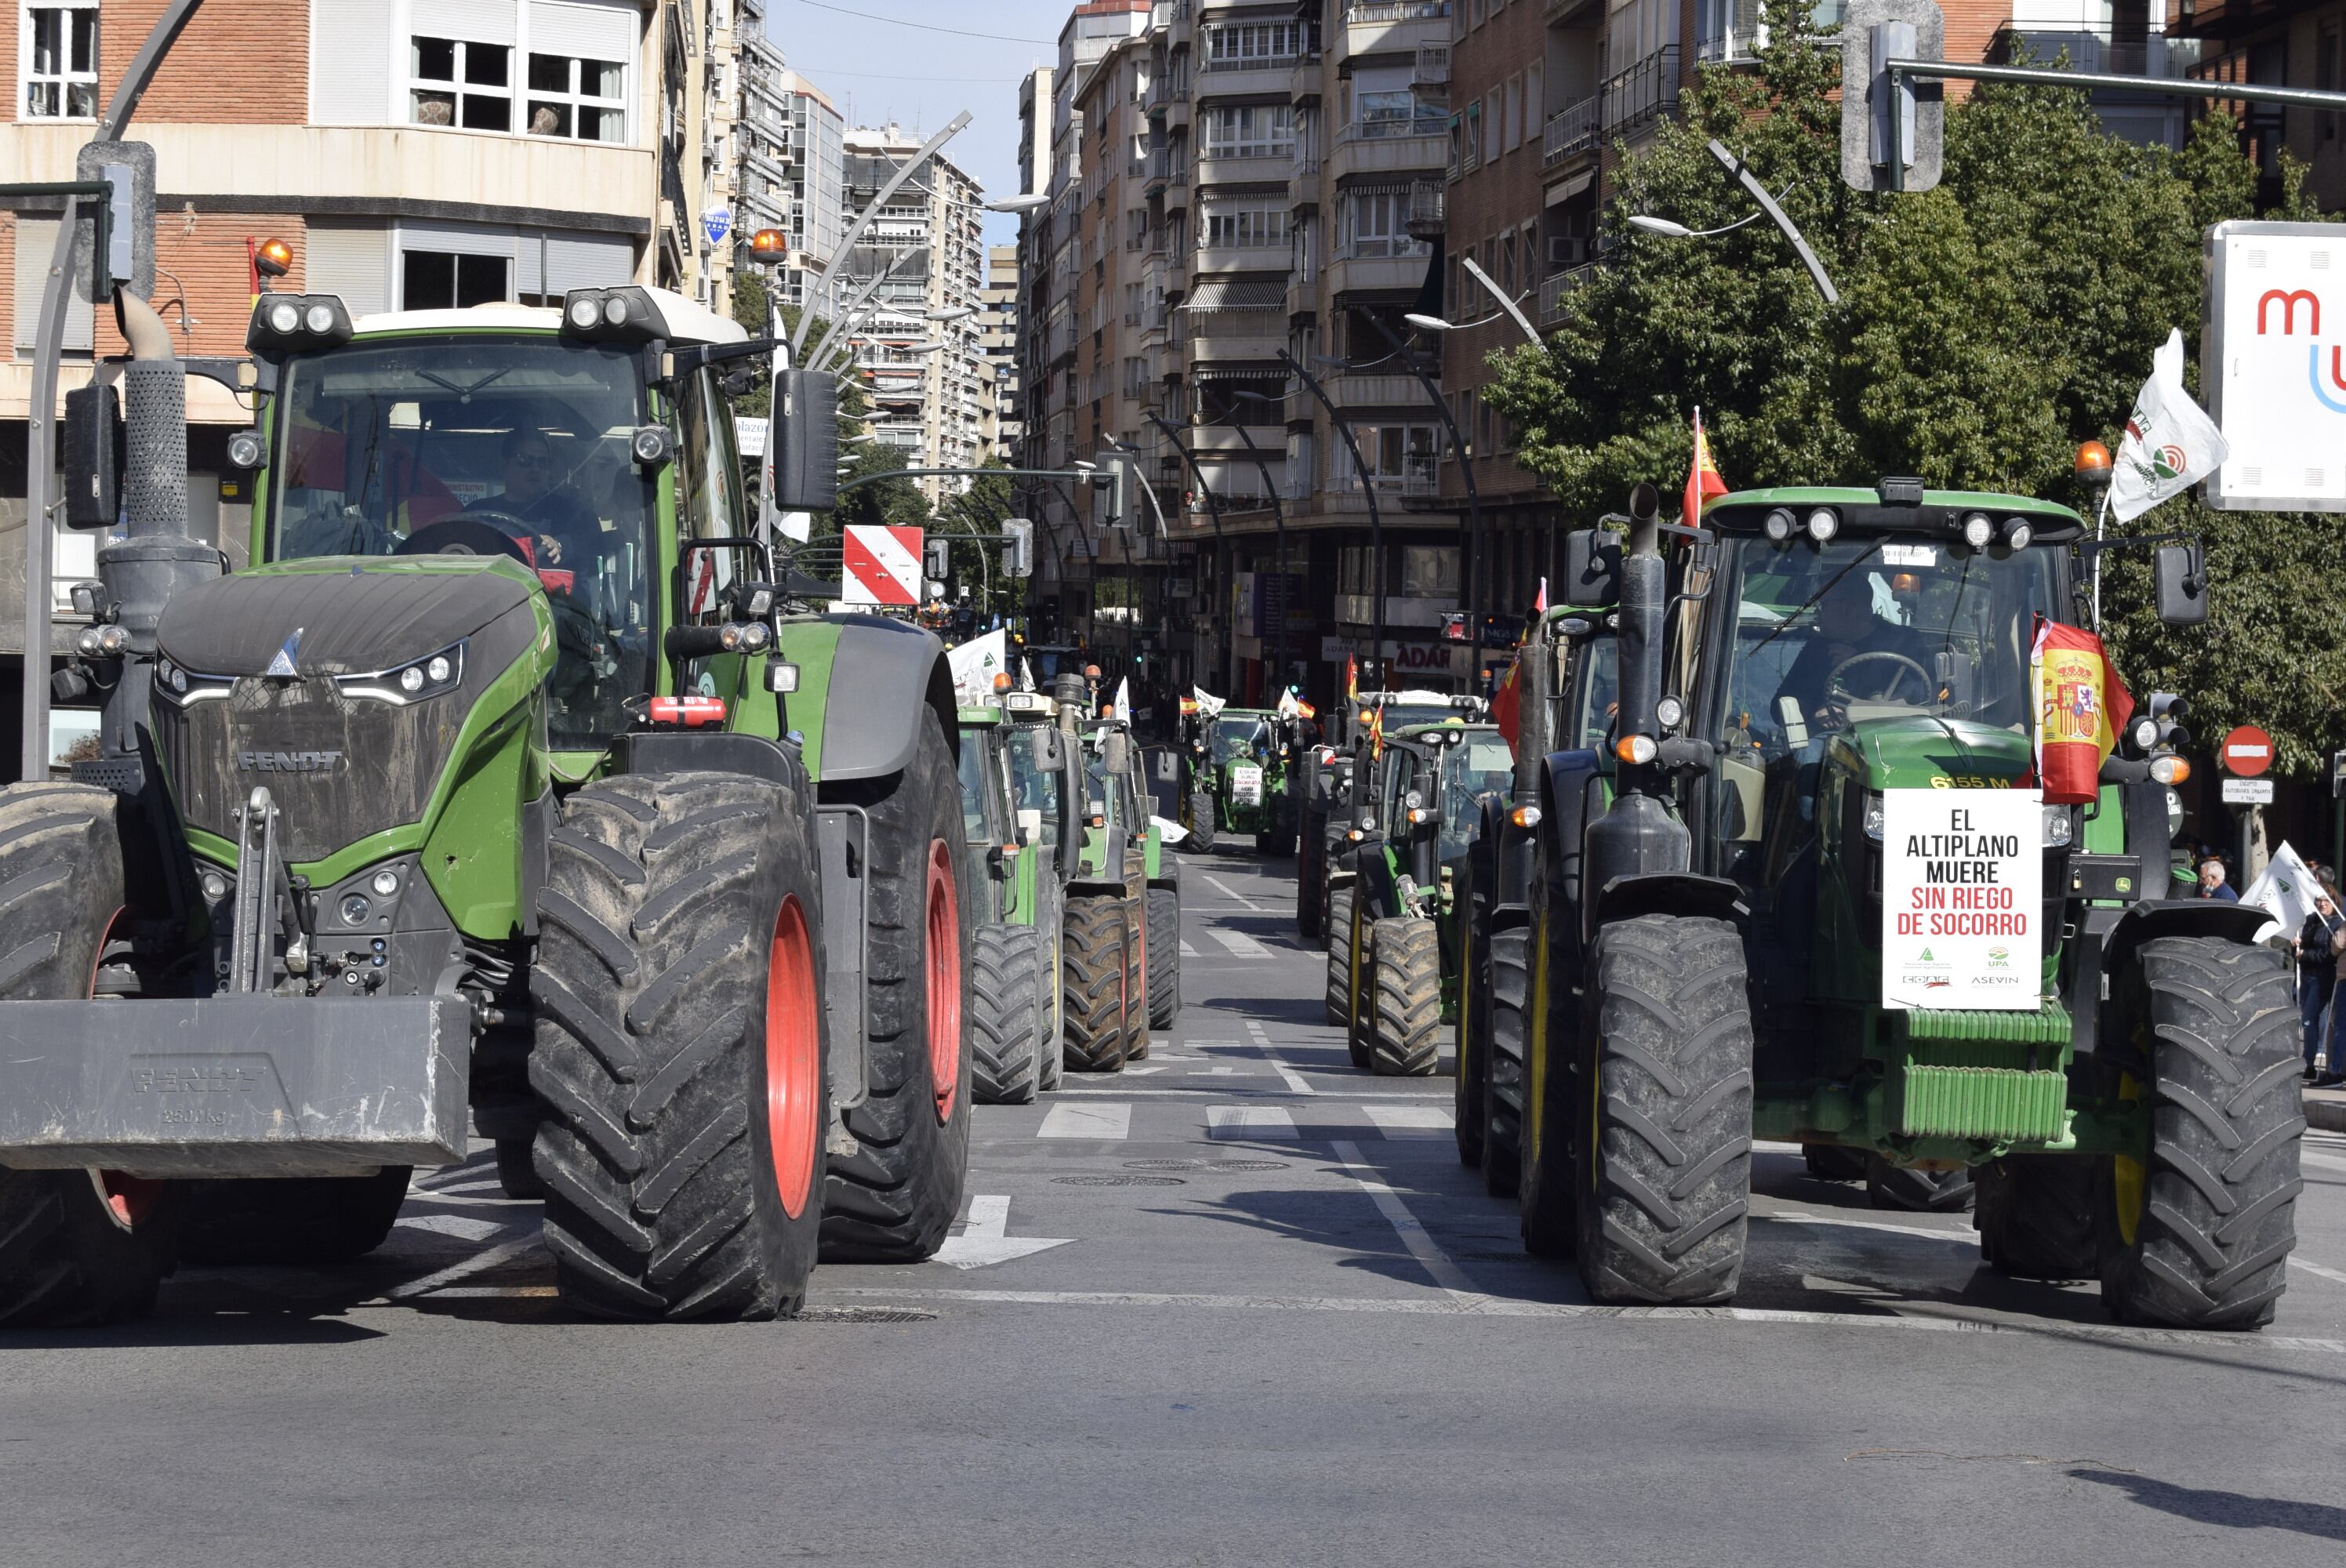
<point x="910" y="292"/>
<point x="1003" y="418"/>
<point x="793" y="165"/>
<point x="2285" y="43"/>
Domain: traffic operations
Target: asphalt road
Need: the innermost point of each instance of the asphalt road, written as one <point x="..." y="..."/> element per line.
<point x="1259" y="1313"/>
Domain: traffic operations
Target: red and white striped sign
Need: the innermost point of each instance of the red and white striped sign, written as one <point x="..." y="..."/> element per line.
<point x="883" y="565"/>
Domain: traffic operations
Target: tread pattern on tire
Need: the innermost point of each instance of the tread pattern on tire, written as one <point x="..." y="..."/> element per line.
<point x="1339" y="1009"/>
<point x="1405" y="963"/>
<point x="1472" y="1048"/>
<point x="1201" y="822"/>
<point x="1310" y="870"/>
<point x="2218" y="1027"/>
<point x="1006" y="975"/>
<point x="662" y="891"/>
<point x="1093" y="976"/>
<point x="2035" y="1216"/>
<point x="1918" y="1192"/>
<point x="1663" y="1220"/>
<point x="1164" y="957"/>
<point x="1503" y="1068"/>
<point x="63" y="1260"/>
<point x="1137" y="968"/>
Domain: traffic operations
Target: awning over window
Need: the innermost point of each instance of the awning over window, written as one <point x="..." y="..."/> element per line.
<point x="1237" y="294"/>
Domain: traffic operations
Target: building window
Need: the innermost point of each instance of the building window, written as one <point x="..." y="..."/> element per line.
<point x="1251" y="44"/>
<point x="585" y="101"/>
<point x="445" y="281"/>
<point x="460" y="82"/>
<point x="1378" y="224"/>
<point x="1250" y="228"/>
<point x="58" y="47"/>
<point x="1250" y="130"/>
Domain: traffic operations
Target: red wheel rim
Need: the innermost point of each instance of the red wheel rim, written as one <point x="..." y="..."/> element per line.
<point x="128" y="1199"/>
<point x="793" y="1058"/>
<point x="943" y="948"/>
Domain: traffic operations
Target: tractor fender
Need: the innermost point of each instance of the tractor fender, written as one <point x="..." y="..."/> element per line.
<point x="1665" y="893"/>
<point x="888" y="679"/>
<point x="1569" y="794"/>
<point x="2106" y="940"/>
<point x="708" y="751"/>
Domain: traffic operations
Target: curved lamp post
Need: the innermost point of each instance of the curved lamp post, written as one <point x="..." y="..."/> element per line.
<point x="1221" y="542"/>
<point x="1368" y="488"/>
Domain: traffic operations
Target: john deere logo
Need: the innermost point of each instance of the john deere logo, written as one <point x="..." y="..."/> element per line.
<point x="2169" y="462"/>
<point x="287" y="762"/>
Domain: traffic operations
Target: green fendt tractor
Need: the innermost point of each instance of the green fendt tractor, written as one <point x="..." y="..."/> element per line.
<point x="1811" y="911"/>
<point x="501" y="786"/>
<point x="1401" y="949"/>
<point x="1014" y="1005"/>
<point x="1235" y="766"/>
<point x="1122" y="974"/>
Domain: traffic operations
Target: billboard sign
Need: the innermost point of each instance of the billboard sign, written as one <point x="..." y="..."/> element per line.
<point x="2272" y="360"/>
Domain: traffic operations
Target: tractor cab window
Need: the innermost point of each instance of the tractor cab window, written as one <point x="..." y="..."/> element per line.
<point x="1596" y="693"/>
<point x="1032" y="788"/>
<point x="1398" y="774"/>
<point x="976" y="819"/>
<point x="489" y="446"/>
<point x="1477" y="766"/>
<point x="1247" y="739"/>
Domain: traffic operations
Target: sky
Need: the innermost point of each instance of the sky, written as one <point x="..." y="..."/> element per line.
<point x="877" y="65"/>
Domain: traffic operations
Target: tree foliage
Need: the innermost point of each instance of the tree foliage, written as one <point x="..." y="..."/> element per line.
<point x="1985" y="327"/>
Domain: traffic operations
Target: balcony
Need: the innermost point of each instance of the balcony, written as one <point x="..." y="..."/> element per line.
<point x="2092" y="50"/>
<point x="1571" y="132"/>
<point x="1358" y="390"/>
<point x="1391" y="26"/>
<point x="1432" y="66"/>
<point x="1641" y="94"/>
<point x="1255" y="62"/>
<point x="1554" y="291"/>
<point x="1415" y="145"/>
<point x="1428" y="211"/>
<point x="1258" y="166"/>
<point x="1381" y="275"/>
<point x="1421" y="476"/>
<point x="1277" y="258"/>
<point x="1215" y="335"/>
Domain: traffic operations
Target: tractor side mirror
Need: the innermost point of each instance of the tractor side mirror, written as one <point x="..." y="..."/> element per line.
<point x="2182" y="586"/>
<point x="1592" y="568"/>
<point x="1046" y="744"/>
<point x="803" y="436"/>
<point x="93" y="473"/>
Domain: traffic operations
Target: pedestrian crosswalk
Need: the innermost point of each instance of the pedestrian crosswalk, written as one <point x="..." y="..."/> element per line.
<point x="1323" y="1120"/>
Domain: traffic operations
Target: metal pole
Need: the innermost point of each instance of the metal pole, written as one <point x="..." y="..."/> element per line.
<point x="863" y="221"/>
<point x="853" y="311"/>
<point x="1473" y="505"/>
<point x="1368" y="488"/>
<point x="1505" y="304"/>
<point x="40" y="413"/>
<point x="2089" y="81"/>
<point x="1279" y="521"/>
<point x="1221" y="543"/>
<point x="1736" y="172"/>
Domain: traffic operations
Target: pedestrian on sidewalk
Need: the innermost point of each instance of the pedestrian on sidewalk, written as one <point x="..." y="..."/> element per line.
<point x="2334" y="1074"/>
<point x="2212" y="883"/>
<point x="2316" y="971"/>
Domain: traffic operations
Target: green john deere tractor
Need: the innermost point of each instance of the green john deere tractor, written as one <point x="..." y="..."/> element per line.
<point x="1122" y="972"/>
<point x="1400" y="951"/>
<point x="1014" y="1005"/>
<point x="501" y="789"/>
<point x="1235" y="770"/>
<point x="1806" y="913"/>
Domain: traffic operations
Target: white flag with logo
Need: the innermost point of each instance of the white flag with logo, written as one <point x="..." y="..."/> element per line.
<point x="2285" y="889"/>
<point x="1124" y="700"/>
<point x="2170" y="443"/>
<point x="1206" y="705"/>
<point x="974" y="664"/>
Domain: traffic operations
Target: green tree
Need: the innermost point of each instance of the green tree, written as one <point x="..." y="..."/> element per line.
<point x="1986" y="329"/>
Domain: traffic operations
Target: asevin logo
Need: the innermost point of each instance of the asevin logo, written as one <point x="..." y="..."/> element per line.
<point x="287" y="762"/>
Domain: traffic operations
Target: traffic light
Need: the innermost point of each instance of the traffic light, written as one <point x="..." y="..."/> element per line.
<point x="1017" y="548"/>
<point x="1876" y="120"/>
<point x="936" y="558"/>
<point x="1108" y="481"/>
<point x="2158" y="725"/>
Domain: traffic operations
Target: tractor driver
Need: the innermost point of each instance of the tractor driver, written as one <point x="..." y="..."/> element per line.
<point x="554" y="526"/>
<point x="1876" y="659"/>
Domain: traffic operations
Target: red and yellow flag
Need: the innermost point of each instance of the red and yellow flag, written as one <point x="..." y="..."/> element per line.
<point x="2081" y="707"/>
<point x="1352" y="678"/>
<point x="1702" y="477"/>
<point x="1377" y="731"/>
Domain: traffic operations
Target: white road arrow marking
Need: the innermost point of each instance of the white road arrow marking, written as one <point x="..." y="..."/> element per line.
<point x="981" y="1243"/>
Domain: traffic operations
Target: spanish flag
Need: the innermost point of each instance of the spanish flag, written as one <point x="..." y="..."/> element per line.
<point x="2081" y="707"/>
<point x="1702" y="478"/>
<point x="1352" y="678"/>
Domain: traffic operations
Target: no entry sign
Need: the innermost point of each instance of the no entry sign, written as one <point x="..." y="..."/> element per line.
<point x="2247" y="752"/>
<point x="883" y="565"/>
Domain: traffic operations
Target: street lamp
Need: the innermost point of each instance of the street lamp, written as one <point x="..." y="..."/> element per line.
<point x="1018" y="203"/>
<point x="1734" y="168"/>
<point x="949" y="313"/>
<point x="1507" y="308"/>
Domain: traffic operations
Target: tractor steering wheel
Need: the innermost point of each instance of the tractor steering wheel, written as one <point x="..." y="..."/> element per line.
<point x="466" y="536"/>
<point x="1838" y="695"/>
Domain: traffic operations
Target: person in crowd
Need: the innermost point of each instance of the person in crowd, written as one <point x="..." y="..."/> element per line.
<point x="2212" y="883"/>
<point x="2317" y="944"/>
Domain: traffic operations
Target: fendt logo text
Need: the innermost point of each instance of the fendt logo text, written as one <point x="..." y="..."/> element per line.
<point x="286" y="761"/>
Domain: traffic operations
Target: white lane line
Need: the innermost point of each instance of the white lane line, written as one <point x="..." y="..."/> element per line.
<point x="1430" y="1257"/>
<point x="1189" y="952"/>
<point x="1232" y="1122"/>
<point x="1240" y="944"/>
<point x="1229" y="892"/>
<point x="1494" y="1307"/>
<point x="1110" y="1121"/>
<point x="2334" y="1276"/>
<point x="1263" y="1043"/>
<point x="479" y="1263"/>
<point x="1410" y="1121"/>
<point x="2327" y="1162"/>
<point x="462" y="1226"/>
<point x="1968" y="1239"/>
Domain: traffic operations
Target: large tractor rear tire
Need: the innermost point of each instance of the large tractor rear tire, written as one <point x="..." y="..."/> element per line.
<point x="1093" y="983"/>
<point x="1667" y="1188"/>
<point x="1006" y="975"/>
<point x="1504" y="1076"/>
<point x="1201" y="822"/>
<point x="1547" y="1194"/>
<point x="311" y="1221"/>
<point x="680" y="1048"/>
<point x="1405" y="994"/>
<point x="517" y="1170"/>
<point x="1918" y="1192"/>
<point x="2196" y="1229"/>
<point x="76" y="1247"/>
<point x="1474" y="1029"/>
<point x="1339" y="1007"/>
<point x="1050" y="1001"/>
<point x="894" y="1198"/>
<point x="1310" y="880"/>
<point x="1137" y="984"/>
<point x="1164" y="957"/>
<point x="2035" y="1216"/>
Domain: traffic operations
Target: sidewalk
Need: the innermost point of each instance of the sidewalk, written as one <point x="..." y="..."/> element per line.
<point x="2325" y="1108"/>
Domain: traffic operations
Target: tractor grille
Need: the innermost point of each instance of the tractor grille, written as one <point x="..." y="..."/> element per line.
<point x="339" y="769"/>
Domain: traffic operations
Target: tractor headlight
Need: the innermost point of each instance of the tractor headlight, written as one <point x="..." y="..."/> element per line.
<point x="1875" y="822"/>
<point x="2057" y="827"/>
<point x="620" y="315"/>
<point x="1978" y="531"/>
<point x="285" y="323"/>
<point x="2017" y="532"/>
<point x="1669" y="712"/>
<point x="1779" y="525"/>
<point x="419" y="680"/>
<point x="285" y="318"/>
<point x="2146" y="733"/>
<point x="1823" y="524"/>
